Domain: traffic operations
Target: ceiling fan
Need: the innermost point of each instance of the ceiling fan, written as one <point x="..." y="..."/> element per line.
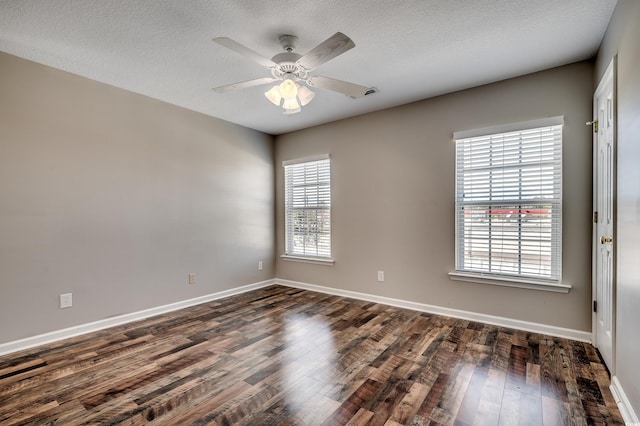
<point x="292" y="71"/>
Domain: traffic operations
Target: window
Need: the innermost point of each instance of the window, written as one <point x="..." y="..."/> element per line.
<point x="509" y="202"/>
<point x="307" y="187"/>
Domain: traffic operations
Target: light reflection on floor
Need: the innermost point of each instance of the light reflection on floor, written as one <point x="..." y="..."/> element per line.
<point x="310" y="348"/>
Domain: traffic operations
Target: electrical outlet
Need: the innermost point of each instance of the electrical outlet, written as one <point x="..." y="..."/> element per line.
<point x="260" y="265"/>
<point x="380" y="276"/>
<point x="66" y="300"/>
<point x="192" y="277"/>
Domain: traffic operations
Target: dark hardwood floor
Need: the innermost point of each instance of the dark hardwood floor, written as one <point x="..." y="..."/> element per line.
<point x="284" y="356"/>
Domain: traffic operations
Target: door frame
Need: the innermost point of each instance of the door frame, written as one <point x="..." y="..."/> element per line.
<point x="610" y="73"/>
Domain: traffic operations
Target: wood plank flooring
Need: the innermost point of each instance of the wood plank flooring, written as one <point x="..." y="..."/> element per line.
<point x="284" y="356"/>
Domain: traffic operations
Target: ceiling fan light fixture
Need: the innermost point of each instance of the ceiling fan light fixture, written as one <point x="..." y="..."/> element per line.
<point x="274" y="95"/>
<point x="288" y="89"/>
<point x="305" y="95"/>
<point x="291" y="104"/>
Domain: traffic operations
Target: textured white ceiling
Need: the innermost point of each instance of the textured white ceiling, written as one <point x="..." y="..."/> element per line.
<point x="408" y="50"/>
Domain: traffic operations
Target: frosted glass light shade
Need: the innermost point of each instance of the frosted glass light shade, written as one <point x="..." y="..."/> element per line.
<point x="291" y="103"/>
<point x="288" y="89"/>
<point x="273" y="95"/>
<point x="305" y="95"/>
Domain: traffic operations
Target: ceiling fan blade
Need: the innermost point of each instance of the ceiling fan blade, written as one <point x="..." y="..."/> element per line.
<point x="244" y="84"/>
<point x="335" y="45"/>
<point x="349" y="89"/>
<point x="245" y="51"/>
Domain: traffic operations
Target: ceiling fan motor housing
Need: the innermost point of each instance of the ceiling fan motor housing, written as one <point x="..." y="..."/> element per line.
<point x="287" y="65"/>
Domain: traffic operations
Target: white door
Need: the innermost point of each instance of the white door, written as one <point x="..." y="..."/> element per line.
<point x="603" y="197"/>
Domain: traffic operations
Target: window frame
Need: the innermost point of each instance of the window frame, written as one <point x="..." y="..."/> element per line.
<point x="289" y="254"/>
<point x="471" y="274"/>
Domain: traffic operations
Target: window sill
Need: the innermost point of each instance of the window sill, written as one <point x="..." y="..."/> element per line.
<point x="510" y="282"/>
<point x="314" y="260"/>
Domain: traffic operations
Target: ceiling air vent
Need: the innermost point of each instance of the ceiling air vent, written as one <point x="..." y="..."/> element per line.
<point x="370" y="91"/>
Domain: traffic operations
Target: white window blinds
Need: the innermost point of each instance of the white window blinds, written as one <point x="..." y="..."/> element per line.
<point x="509" y="203"/>
<point x="308" y="208"/>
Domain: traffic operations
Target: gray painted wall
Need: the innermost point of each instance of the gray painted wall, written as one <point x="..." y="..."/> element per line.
<point x="393" y="197"/>
<point x="116" y="197"/>
<point x="622" y="39"/>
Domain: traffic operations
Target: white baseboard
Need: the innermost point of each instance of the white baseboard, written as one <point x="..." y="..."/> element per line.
<point x="624" y="405"/>
<point x="626" y="410"/>
<point x="65" y="333"/>
<point x="77" y="330"/>
<point x="551" y="330"/>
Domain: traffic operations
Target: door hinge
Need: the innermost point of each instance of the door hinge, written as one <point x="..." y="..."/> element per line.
<point x="595" y="217"/>
<point x="593" y="123"/>
<point x="595" y="306"/>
